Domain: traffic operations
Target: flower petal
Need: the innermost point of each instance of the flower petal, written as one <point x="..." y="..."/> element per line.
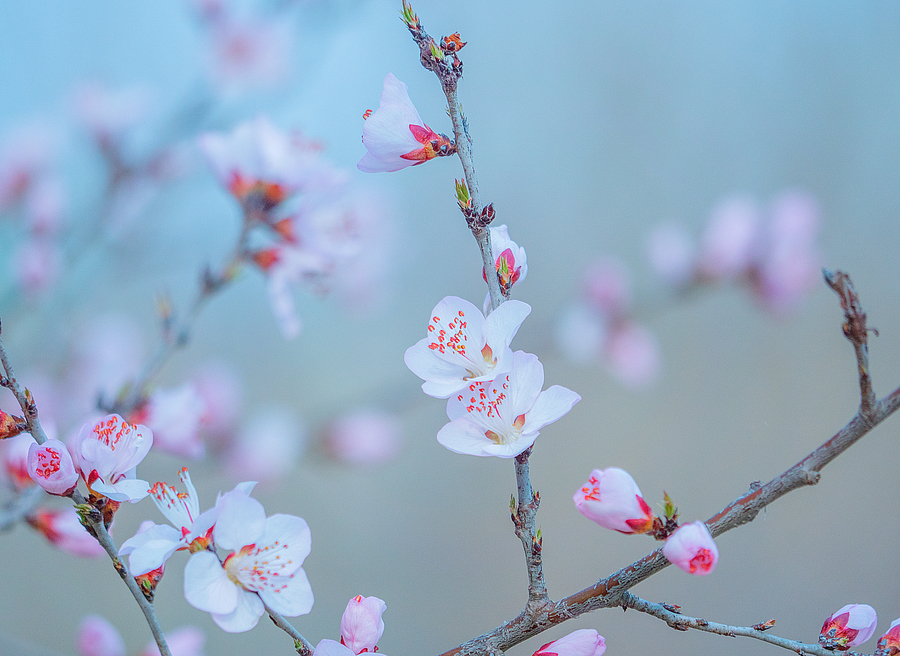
<point x="244" y="617"/>
<point x="296" y="598"/>
<point x="207" y="586"/>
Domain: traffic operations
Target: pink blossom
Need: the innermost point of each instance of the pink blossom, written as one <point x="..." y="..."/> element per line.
<point x="361" y="624"/>
<point x="850" y="626"/>
<point x="607" y="287"/>
<point x="14" y="460"/>
<point x="108" y="112"/>
<point x="174" y="416"/>
<point x="263" y="565"/>
<point x="51" y="467"/>
<point x="503" y="417"/>
<point x="613" y="500"/>
<point x="268" y="446"/>
<point x="363" y="437"/>
<point x="692" y="549"/>
<point x="221" y="391"/>
<point x="889" y="642"/>
<point x="64" y="530"/>
<point x="731" y="240"/>
<point x="26" y="153"/>
<point x="671" y="253"/>
<point x="185" y="641"/>
<point x="262" y="166"/>
<point x="107" y="452"/>
<point x="97" y="637"/>
<point x="463" y="346"/>
<point x="293" y="266"/>
<point x="395" y="135"/>
<point x="633" y="355"/>
<point x="248" y="53"/>
<point x="584" y="642"/>
<point x="509" y="258"/>
<point x="45" y="206"/>
<point x="36" y="263"/>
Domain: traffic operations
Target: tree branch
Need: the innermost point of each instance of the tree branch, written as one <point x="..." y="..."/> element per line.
<point x="301" y="644"/>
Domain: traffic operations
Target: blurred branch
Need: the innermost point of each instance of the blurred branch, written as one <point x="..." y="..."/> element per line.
<point x="29" y="409"/>
<point x="611" y="591"/>
<point x="681" y="622"/>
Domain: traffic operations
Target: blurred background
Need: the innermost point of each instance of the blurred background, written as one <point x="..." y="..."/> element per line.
<point x="593" y="123"/>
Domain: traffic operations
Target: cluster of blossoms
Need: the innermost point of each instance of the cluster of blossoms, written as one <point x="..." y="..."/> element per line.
<point x="774" y="253"/>
<point x="854" y="624"/>
<point x="296" y="203"/>
<point x="612" y="499"/>
<point x="496" y="406"/>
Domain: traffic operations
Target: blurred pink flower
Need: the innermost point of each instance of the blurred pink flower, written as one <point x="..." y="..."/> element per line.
<point x="395" y="136"/>
<point x="36" y="264"/>
<point x="607" y="287"/>
<point x="221" y="391"/>
<point x="268" y="447"/>
<point x="672" y="253"/>
<point x="247" y="53"/>
<point x="692" y="549"/>
<point x="364" y="437"/>
<point x="184" y="641"/>
<point x="97" y="637"/>
<point x="108" y="112"/>
<point x="850" y="626"/>
<point x="731" y="240"/>
<point x="45" y="206"/>
<point x="51" y="467"/>
<point x="63" y="529"/>
<point x="174" y="416"/>
<point x="613" y="500"/>
<point x="583" y="642"/>
<point x="361" y="624"/>
<point x="26" y="152"/>
<point x="633" y="355"/>
<point x="14" y="460"/>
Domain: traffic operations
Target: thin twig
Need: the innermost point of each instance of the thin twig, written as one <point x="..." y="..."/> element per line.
<point x="681" y="622"/>
<point x="29" y="409"/>
<point x="855" y="330"/>
<point x="609" y="591"/>
<point x="95" y="521"/>
<point x="301" y="644"/>
<point x="524" y="516"/>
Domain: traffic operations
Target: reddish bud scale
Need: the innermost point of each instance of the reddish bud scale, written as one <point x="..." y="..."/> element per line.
<point x="266" y="258"/>
<point x="10" y="425"/>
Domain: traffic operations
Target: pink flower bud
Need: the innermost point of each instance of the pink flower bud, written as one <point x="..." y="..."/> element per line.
<point x="889" y="643"/>
<point x="51" y="467"/>
<point x="584" y="642"/>
<point x="613" y="500"/>
<point x="361" y="624"/>
<point x="850" y="626"/>
<point x="692" y="549"/>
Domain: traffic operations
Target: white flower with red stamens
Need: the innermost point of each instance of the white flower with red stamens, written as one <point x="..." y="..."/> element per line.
<point x="361" y="624"/>
<point x="463" y="346"/>
<point x="262" y="166"/>
<point x="852" y="625"/>
<point x="395" y="135"/>
<point x="509" y="258"/>
<point x="263" y="566"/>
<point x="107" y="453"/>
<point x="613" y="500"/>
<point x="503" y="417"/>
<point x="584" y="642"/>
<point x="51" y="467"/>
<point x="692" y="549"/>
<point x="151" y="547"/>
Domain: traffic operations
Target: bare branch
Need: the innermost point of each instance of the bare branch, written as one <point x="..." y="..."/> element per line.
<point x="29" y="409"/>
<point x="681" y="622"/>
<point x="523" y="519"/>
<point x="301" y="644"/>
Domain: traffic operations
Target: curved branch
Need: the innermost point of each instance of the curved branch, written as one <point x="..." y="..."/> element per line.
<point x="301" y="644"/>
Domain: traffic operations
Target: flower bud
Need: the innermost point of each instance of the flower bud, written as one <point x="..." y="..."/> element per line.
<point x="852" y="625"/>
<point x="361" y="624"/>
<point x="691" y="548"/>
<point x="613" y="500"/>
<point x="889" y="643"/>
<point x="584" y="642"/>
<point x="51" y="467"/>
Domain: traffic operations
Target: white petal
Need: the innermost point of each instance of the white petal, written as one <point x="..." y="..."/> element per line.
<point x="244" y="617"/>
<point x="150" y="548"/>
<point x="128" y="489"/>
<point x="503" y="323"/>
<point x="328" y="647"/>
<point x="294" y="599"/>
<point x="241" y="520"/>
<point x="293" y="534"/>
<point x="207" y="586"/>
<point x="463" y="436"/>
<point x="550" y="405"/>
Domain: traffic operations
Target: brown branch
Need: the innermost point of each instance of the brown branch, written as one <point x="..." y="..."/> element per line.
<point x="610" y="591"/>
<point x="681" y="622"/>
<point x="523" y="518"/>
<point x="29" y="409"/>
